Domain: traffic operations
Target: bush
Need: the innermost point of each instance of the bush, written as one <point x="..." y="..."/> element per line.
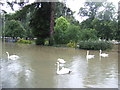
<point x="46" y="42"/>
<point x="25" y="41"/>
<point x="40" y="41"/>
<point x="95" y="45"/>
<point x="71" y="44"/>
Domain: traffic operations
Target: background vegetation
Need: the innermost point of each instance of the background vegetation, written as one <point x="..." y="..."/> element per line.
<point x="54" y="22"/>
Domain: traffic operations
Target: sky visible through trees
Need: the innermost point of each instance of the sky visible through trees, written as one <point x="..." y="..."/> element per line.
<point x="74" y="5"/>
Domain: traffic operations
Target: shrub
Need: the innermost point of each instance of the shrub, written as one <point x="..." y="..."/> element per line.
<point x="39" y="41"/>
<point x="46" y="42"/>
<point x="95" y="45"/>
<point x="25" y="41"/>
<point x="71" y="44"/>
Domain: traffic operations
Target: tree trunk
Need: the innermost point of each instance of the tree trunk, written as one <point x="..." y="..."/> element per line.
<point x="51" y="41"/>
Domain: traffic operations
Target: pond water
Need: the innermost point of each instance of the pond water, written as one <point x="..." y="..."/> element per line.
<point x="36" y="68"/>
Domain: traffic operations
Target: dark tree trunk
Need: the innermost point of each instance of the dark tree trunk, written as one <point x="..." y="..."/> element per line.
<point x="51" y="41"/>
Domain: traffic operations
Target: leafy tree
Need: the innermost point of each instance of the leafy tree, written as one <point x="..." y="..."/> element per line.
<point x="60" y="29"/>
<point x="88" y="34"/>
<point x="72" y="33"/>
<point x="40" y="21"/>
<point x="86" y="24"/>
<point x="62" y="10"/>
<point x="90" y="9"/>
<point x="115" y="30"/>
<point x="108" y="12"/>
<point x="105" y="29"/>
<point x="14" y="29"/>
<point x="29" y="15"/>
<point x="61" y="24"/>
<point x="104" y="22"/>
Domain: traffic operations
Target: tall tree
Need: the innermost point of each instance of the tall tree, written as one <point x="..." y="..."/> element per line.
<point x="62" y="10"/>
<point x="90" y="9"/>
<point x="60" y="30"/>
<point x="108" y="12"/>
<point x="40" y="21"/>
<point x="52" y="16"/>
<point x="104" y="22"/>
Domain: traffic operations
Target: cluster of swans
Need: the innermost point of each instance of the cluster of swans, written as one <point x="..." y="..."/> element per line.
<point x="12" y="57"/>
<point x="63" y="70"/>
<point x="92" y="56"/>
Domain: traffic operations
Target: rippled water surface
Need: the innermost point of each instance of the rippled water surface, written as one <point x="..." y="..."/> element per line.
<point x="36" y="68"/>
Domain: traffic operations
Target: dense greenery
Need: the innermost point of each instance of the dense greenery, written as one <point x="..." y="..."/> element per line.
<point x="14" y="29"/>
<point x="25" y="41"/>
<point x="60" y="30"/>
<point x="55" y="23"/>
<point x="88" y="34"/>
<point x="104" y="22"/>
<point x="95" y="45"/>
<point x="40" y="22"/>
<point x="72" y="33"/>
<point x="71" y="44"/>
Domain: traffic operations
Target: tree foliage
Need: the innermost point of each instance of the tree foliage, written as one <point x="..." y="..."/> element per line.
<point x="62" y="10"/>
<point x="88" y="34"/>
<point x="101" y="17"/>
<point x="90" y="9"/>
<point x="14" y="29"/>
<point x="40" y="21"/>
<point x="61" y="24"/>
<point x="72" y="33"/>
<point x="60" y="28"/>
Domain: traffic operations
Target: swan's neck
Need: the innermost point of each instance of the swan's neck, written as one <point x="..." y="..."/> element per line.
<point x="100" y="52"/>
<point x="8" y="55"/>
<point x="87" y="53"/>
<point x="57" y="67"/>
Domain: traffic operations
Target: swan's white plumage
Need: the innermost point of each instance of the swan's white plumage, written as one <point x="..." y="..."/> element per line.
<point x="89" y="56"/>
<point x="103" y="54"/>
<point x="12" y="57"/>
<point x="63" y="70"/>
<point x="62" y="61"/>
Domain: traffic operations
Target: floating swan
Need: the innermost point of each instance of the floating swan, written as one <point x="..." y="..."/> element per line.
<point x="62" y="61"/>
<point x="89" y="56"/>
<point x="103" y="54"/>
<point x="63" y="70"/>
<point x="13" y="57"/>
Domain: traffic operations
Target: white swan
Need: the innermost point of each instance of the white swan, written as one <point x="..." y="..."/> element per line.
<point x="13" y="57"/>
<point x="63" y="70"/>
<point x="62" y="61"/>
<point x="89" y="56"/>
<point x="103" y="54"/>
